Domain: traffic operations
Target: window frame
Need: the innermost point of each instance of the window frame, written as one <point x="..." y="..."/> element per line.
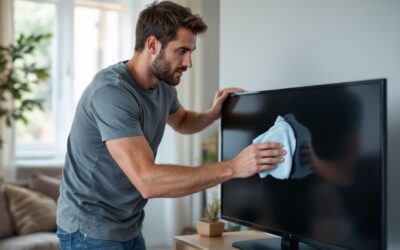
<point x="62" y="75"/>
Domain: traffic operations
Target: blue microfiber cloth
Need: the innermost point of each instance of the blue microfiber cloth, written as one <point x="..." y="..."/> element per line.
<point x="300" y="169"/>
<point x="283" y="133"/>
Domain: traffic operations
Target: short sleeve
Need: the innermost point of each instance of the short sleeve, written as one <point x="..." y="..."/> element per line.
<point x="116" y="113"/>
<point x="175" y="102"/>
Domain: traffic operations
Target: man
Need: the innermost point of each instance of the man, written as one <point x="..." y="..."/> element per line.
<point x="109" y="171"/>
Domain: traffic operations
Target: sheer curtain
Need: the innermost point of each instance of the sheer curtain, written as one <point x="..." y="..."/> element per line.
<point x="176" y="214"/>
<point x="191" y="95"/>
<point x="7" y="156"/>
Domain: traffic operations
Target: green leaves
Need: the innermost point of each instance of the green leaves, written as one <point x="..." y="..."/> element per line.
<point x="3" y="64"/>
<point x="18" y="80"/>
<point x="41" y="74"/>
<point x="27" y="44"/>
<point x="211" y="213"/>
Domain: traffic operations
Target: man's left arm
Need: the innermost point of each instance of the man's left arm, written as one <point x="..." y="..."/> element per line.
<point x="189" y="122"/>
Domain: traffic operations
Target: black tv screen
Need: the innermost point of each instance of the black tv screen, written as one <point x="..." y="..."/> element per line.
<point x="335" y="194"/>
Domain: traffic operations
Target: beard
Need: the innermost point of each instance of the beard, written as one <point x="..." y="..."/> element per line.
<point x="162" y="70"/>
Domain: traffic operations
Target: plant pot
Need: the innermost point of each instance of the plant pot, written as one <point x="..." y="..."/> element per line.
<point x="210" y="229"/>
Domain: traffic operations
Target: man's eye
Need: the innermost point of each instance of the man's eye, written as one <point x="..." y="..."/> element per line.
<point x="181" y="51"/>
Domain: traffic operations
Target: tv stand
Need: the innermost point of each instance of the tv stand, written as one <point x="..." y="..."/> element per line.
<point x="229" y="241"/>
<point x="283" y="243"/>
<point x="197" y="242"/>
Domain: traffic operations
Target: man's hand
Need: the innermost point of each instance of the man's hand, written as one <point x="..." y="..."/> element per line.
<point x="256" y="158"/>
<point x="188" y="122"/>
<point x="220" y="97"/>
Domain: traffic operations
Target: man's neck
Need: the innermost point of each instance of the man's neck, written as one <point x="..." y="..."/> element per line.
<point x="139" y="68"/>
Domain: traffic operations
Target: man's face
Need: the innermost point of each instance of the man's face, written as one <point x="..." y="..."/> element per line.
<point x="175" y="58"/>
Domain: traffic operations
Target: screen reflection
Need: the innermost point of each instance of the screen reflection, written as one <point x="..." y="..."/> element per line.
<point x="333" y="194"/>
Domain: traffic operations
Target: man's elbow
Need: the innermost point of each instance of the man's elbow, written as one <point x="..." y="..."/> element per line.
<point x="151" y="194"/>
<point x="147" y="188"/>
<point x="148" y="193"/>
<point x="183" y="130"/>
<point x="181" y="126"/>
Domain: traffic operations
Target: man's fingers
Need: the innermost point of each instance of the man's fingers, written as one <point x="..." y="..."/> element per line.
<point x="272" y="152"/>
<point x="221" y="95"/>
<point x="271" y="160"/>
<point x="233" y="90"/>
<point x="268" y="145"/>
<point x="224" y="95"/>
<point x="228" y="91"/>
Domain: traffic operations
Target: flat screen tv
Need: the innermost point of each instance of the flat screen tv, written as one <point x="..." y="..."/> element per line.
<point x="335" y="195"/>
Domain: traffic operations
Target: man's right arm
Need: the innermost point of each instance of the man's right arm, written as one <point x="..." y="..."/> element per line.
<point x="135" y="158"/>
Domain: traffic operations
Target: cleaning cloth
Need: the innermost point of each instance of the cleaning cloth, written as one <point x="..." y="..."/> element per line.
<point x="300" y="168"/>
<point x="283" y="133"/>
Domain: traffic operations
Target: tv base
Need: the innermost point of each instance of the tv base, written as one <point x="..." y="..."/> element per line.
<point x="271" y="244"/>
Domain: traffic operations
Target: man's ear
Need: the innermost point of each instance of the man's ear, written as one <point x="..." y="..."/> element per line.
<point x="153" y="45"/>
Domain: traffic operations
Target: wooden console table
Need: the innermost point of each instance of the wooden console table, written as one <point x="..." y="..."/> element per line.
<point x="197" y="242"/>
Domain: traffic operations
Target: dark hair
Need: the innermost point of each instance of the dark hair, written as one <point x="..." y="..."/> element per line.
<point x="162" y="20"/>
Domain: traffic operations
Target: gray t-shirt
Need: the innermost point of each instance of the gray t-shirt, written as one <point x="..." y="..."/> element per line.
<point x="95" y="195"/>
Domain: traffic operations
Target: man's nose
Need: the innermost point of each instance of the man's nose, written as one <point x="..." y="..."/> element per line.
<point x="187" y="60"/>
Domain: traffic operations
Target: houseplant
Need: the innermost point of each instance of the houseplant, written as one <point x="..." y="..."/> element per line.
<point x="210" y="225"/>
<point x="18" y="73"/>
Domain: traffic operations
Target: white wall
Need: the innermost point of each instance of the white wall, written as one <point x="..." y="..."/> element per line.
<point x="270" y="44"/>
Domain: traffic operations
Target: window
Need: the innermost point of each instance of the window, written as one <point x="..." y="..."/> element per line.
<point x="95" y="43"/>
<point x="41" y="126"/>
<point x="87" y="36"/>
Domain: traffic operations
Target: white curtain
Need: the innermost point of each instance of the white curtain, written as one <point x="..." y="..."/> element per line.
<point x="191" y="95"/>
<point x="181" y="213"/>
<point x="168" y="217"/>
<point x="7" y="155"/>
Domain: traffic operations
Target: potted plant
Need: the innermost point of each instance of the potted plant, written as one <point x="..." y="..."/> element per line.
<point x="18" y="72"/>
<point x="210" y="225"/>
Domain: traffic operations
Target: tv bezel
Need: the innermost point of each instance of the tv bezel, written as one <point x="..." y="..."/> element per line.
<point x="381" y="82"/>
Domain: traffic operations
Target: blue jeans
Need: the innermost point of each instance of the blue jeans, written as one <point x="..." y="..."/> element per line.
<point x="76" y="240"/>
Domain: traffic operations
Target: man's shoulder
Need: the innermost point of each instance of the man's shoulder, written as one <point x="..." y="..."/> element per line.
<point x="112" y="81"/>
<point x="111" y="75"/>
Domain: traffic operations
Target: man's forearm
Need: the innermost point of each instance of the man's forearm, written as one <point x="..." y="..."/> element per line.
<point x="134" y="156"/>
<point x="194" y="122"/>
<point x="175" y="181"/>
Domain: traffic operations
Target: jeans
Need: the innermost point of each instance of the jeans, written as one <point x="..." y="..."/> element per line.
<point x="76" y="240"/>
